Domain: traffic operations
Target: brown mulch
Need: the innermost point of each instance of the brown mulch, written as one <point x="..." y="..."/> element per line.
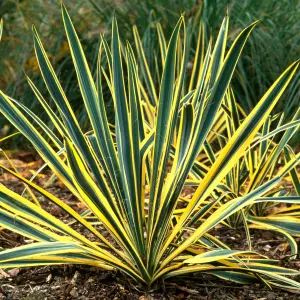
<point x="76" y="282"/>
<point x="83" y="282"/>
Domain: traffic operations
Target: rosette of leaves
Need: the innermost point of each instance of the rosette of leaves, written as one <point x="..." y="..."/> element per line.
<point x="130" y="175"/>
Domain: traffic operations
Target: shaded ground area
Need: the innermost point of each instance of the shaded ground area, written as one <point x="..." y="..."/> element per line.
<point x="73" y="282"/>
<point x="80" y="282"/>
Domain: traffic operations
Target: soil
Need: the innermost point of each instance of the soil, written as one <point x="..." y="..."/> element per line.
<point x="83" y="282"/>
<point x="73" y="282"/>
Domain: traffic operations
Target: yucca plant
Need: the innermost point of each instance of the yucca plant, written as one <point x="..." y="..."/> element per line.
<point x="130" y="175"/>
<point x="260" y="163"/>
<point x="1" y="28"/>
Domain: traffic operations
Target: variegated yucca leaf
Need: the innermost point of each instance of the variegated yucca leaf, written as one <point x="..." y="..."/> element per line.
<point x="1" y="28"/>
<point x="130" y="175"/>
<point x="237" y="181"/>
